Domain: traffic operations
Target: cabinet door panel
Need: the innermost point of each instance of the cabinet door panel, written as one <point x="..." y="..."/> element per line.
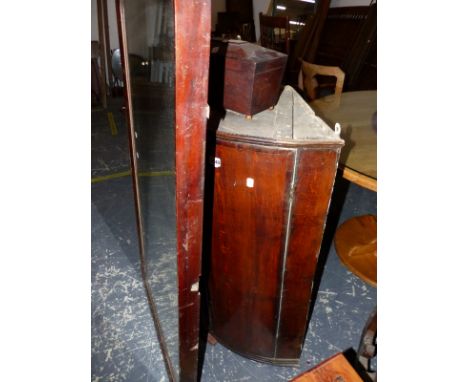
<point x="249" y="225"/>
<point x="315" y="176"/>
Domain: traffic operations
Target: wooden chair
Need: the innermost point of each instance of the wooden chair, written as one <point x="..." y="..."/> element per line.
<point x="308" y="83"/>
<point x="368" y="346"/>
<point x="274" y="32"/>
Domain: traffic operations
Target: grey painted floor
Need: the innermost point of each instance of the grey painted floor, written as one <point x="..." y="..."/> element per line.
<point x="124" y="343"/>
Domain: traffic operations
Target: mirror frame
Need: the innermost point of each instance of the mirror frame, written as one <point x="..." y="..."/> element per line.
<point x="192" y="48"/>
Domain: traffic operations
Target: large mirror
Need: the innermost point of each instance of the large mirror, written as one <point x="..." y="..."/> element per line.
<point x="148" y="33"/>
<point x="165" y="56"/>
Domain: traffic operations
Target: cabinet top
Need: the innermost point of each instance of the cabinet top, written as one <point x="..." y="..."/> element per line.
<point x="243" y="50"/>
<point x="291" y="122"/>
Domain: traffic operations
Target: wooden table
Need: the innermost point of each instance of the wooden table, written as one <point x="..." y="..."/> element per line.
<point x="356" y="239"/>
<point x="356" y="112"/>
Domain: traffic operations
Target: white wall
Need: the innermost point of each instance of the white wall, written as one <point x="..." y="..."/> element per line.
<point x="113" y="31"/>
<point x="112" y="16"/>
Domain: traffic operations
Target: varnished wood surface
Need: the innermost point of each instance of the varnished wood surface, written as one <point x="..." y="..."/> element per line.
<point x="340" y="30"/>
<point x="252" y="77"/>
<point x="265" y="245"/>
<point x="356" y="113"/>
<point x="356" y="246"/>
<point x="192" y="31"/>
<point x="248" y="232"/>
<point x="334" y="369"/>
<point x="275" y="32"/>
<point x="315" y="177"/>
<point x="192" y="34"/>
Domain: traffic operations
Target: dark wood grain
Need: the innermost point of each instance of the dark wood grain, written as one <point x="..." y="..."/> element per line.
<point x="252" y="77"/>
<point x="192" y="23"/>
<point x="315" y="177"/>
<point x="348" y="40"/>
<point x="275" y="32"/>
<point x="339" y="33"/>
<point x="192" y="34"/>
<point x="244" y="11"/>
<point x="248" y="229"/>
<point x="238" y="85"/>
<point x="243" y="7"/>
<point x="265" y="244"/>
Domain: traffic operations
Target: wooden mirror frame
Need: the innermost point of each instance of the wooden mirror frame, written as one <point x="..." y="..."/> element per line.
<point x="192" y="48"/>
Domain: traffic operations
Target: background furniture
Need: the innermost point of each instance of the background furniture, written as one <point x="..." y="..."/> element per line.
<point x="230" y="26"/>
<point x="98" y="83"/>
<point x="298" y="12"/>
<point x="273" y="181"/>
<point x="244" y="11"/>
<point x="252" y="76"/>
<point x="104" y="50"/>
<point x="274" y="32"/>
<point x="357" y="114"/>
<point x="368" y="345"/>
<point x="356" y="246"/>
<point x="306" y="46"/>
<point x="349" y="40"/>
<point x="334" y="369"/>
<point x="356" y="239"/>
<point x="307" y="80"/>
<point x="360" y="64"/>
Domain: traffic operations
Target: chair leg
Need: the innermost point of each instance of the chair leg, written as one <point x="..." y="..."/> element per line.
<point x="368" y="345"/>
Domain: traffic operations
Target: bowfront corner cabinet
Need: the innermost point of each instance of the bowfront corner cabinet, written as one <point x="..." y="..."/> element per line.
<point x="273" y="181"/>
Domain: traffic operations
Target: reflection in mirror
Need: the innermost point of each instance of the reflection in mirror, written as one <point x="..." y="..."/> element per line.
<point x="149" y="33"/>
<point x="298" y="11"/>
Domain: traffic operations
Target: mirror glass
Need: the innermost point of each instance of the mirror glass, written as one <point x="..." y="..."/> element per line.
<point x="149" y="34"/>
<point x="298" y="12"/>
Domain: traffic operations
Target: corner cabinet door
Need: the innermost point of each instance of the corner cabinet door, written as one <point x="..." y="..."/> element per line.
<point x="270" y="207"/>
<point x="250" y="216"/>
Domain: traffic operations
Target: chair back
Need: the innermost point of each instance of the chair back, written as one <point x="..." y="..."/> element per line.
<point x="308" y="83"/>
<point x="274" y="32"/>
